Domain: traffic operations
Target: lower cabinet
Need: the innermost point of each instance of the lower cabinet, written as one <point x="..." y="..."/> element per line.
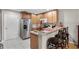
<point x="34" y="41"/>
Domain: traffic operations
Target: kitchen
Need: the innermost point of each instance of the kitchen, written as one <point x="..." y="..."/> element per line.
<point x="43" y="24"/>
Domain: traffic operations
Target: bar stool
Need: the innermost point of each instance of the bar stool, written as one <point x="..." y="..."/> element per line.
<point x="60" y="41"/>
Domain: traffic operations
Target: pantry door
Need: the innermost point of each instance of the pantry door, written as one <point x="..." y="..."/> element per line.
<point x="11" y="24"/>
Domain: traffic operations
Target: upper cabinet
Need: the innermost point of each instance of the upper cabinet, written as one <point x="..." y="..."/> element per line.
<point x="52" y="17"/>
<point x="25" y="15"/>
<point x="55" y="16"/>
<point x="34" y="19"/>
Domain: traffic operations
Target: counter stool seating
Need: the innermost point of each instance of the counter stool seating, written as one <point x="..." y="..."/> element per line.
<point x="60" y="40"/>
<point x="52" y="43"/>
<point x="1" y="46"/>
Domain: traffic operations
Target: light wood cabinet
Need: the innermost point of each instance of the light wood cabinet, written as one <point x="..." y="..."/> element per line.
<point x="25" y="15"/>
<point x="34" y="18"/>
<point x="51" y="16"/>
<point x="34" y="41"/>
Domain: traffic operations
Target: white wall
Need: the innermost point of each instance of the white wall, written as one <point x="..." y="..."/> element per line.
<point x="70" y="18"/>
<point x="61" y="15"/>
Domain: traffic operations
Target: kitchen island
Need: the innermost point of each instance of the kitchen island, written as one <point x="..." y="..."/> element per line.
<point x="42" y="36"/>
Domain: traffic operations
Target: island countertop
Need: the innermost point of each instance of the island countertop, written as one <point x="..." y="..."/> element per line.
<point x="44" y="35"/>
<point x="46" y="30"/>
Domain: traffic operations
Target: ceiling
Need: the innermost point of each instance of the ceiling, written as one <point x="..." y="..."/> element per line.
<point x="34" y="11"/>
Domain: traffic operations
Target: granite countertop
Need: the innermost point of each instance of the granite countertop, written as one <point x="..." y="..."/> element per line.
<point x="36" y="32"/>
<point x="46" y="30"/>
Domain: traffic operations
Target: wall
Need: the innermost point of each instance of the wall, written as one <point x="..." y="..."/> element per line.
<point x="70" y="18"/>
<point x="60" y="15"/>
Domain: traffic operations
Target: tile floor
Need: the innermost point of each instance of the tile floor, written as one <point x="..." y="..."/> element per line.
<point x="17" y="44"/>
<point x="72" y="46"/>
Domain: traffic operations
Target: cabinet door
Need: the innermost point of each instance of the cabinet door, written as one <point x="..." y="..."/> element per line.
<point x="34" y="19"/>
<point x="51" y="16"/>
<point x="54" y="16"/>
<point x="34" y="41"/>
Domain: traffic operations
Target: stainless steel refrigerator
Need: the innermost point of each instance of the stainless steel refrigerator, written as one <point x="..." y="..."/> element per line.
<point x="25" y="28"/>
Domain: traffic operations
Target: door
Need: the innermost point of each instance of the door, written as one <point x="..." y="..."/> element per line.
<point x="10" y="24"/>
